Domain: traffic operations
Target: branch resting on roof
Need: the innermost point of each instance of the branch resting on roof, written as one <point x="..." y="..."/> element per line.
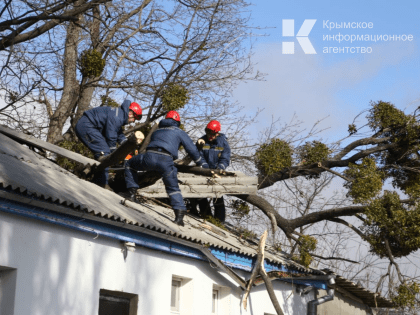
<point x="259" y="270"/>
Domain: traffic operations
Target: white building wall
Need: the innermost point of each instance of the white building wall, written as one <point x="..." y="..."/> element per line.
<point x="61" y="271"/>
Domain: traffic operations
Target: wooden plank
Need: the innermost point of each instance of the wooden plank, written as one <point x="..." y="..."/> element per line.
<point x="189" y="195"/>
<point x="238" y="279"/>
<point x="228" y="180"/>
<point x="205" y="188"/>
<point x="199" y="191"/>
<point x="40" y="144"/>
<point x="232" y="189"/>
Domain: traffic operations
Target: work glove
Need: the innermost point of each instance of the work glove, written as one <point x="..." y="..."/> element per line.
<point x="200" y="143"/>
<point x="204" y="165"/>
<point x="139" y="136"/>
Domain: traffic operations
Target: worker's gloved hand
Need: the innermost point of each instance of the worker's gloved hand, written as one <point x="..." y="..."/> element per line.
<point x="204" y="165"/>
<point x="200" y="143"/>
<point x="133" y="192"/>
<point x="139" y="136"/>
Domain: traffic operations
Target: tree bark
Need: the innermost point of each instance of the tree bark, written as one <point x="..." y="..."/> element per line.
<point x="259" y="270"/>
<point x="71" y="86"/>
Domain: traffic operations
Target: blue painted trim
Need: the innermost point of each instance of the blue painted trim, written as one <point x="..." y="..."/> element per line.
<point x="99" y="229"/>
<point x="246" y="263"/>
<point x="315" y="283"/>
<point x="234" y="260"/>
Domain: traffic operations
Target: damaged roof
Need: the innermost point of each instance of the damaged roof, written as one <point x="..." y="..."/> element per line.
<point x="30" y="174"/>
<point x="37" y="180"/>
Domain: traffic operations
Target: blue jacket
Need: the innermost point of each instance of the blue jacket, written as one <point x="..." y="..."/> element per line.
<point x="109" y="121"/>
<point x="169" y="137"/>
<point x="216" y="153"/>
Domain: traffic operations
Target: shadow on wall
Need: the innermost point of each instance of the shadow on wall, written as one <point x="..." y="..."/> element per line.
<point x="290" y="301"/>
<point x="61" y="271"/>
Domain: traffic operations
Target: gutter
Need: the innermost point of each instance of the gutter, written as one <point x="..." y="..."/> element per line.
<point x="53" y="213"/>
<point x="166" y="244"/>
<point x="312" y="305"/>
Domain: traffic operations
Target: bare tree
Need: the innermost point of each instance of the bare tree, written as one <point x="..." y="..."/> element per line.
<point x="142" y="50"/>
<point x="188" y="55"/>
<point x="24" y="20"/>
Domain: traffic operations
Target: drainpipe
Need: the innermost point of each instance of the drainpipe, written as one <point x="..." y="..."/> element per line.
<point x="312" y="304"/>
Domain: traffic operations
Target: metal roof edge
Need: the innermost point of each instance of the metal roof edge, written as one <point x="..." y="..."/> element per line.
<point x="62" y="211"/>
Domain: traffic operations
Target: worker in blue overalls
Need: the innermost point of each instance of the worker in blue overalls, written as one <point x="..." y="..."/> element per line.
<point x="215" y="150"/>
<point x="100" y="129"/>
<point x="160" y="155"/>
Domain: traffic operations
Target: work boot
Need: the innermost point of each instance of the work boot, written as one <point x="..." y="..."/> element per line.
<point x="132" y="192"/>
<point x="100" y="157"/>
<point x="179" y="217"/>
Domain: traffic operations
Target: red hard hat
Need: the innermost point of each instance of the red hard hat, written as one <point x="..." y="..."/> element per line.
<point x="173" y="115"/>
<point x="214" y="126"/>
<point x="136" y="110"/>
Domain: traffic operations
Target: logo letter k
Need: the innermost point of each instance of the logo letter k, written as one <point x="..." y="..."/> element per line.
<point x="302" y="36"/>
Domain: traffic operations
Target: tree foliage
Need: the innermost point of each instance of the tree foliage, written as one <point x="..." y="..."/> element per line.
<point x="366" y="180"/>
<point x="273" y="156"/>
<point x="91" y="63"/>
<point x="74" y="146"/>
<point x="174" y="97"/>
<point x="307" y="244"/>
<point x="387" y="219"/>
<point x="406" y="295"/>
<point x="313" y="152"/>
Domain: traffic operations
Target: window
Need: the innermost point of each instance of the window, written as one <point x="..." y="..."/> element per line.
<point x="117" y="303"/>
<point x="7" y="290"/>
<point x="221" y="300"/>
<point x="215" y="300"/>
<point x="175" y="295"/>
<point x="181" y="295"/>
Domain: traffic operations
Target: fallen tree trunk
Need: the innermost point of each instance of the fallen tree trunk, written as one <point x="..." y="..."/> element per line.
<point x="202" y="171"/>
<point x="88" y="170"/>
<point x="118" y="155"/>
<point x="146" y="141"/>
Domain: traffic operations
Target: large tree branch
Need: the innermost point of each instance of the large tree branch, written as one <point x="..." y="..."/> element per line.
<point x="335" y="258"/>
<point x="319" y="216"/>
<point x="358" y="143"/>
<point x="314" y="169"/>
<point x="351" y="226"/>
<point x="17" y="36"/>
<point x="260" y="270"/>
<point x="269" y="211"/>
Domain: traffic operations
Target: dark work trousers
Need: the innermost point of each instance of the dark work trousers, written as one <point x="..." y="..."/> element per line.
<point x="95" y="141"/>
<point x="219" y="208"/>
<point x="162" y="163"/>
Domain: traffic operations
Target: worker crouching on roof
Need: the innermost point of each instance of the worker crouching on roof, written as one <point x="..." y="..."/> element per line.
<point x="160" y="155"/>
<point x="215" y="150"/>
<point x="100" y="129"/>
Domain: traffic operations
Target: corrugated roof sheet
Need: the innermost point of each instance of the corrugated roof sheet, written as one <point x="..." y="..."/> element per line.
<point x="25" y="171"/>
<point x="368" y="297"/>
